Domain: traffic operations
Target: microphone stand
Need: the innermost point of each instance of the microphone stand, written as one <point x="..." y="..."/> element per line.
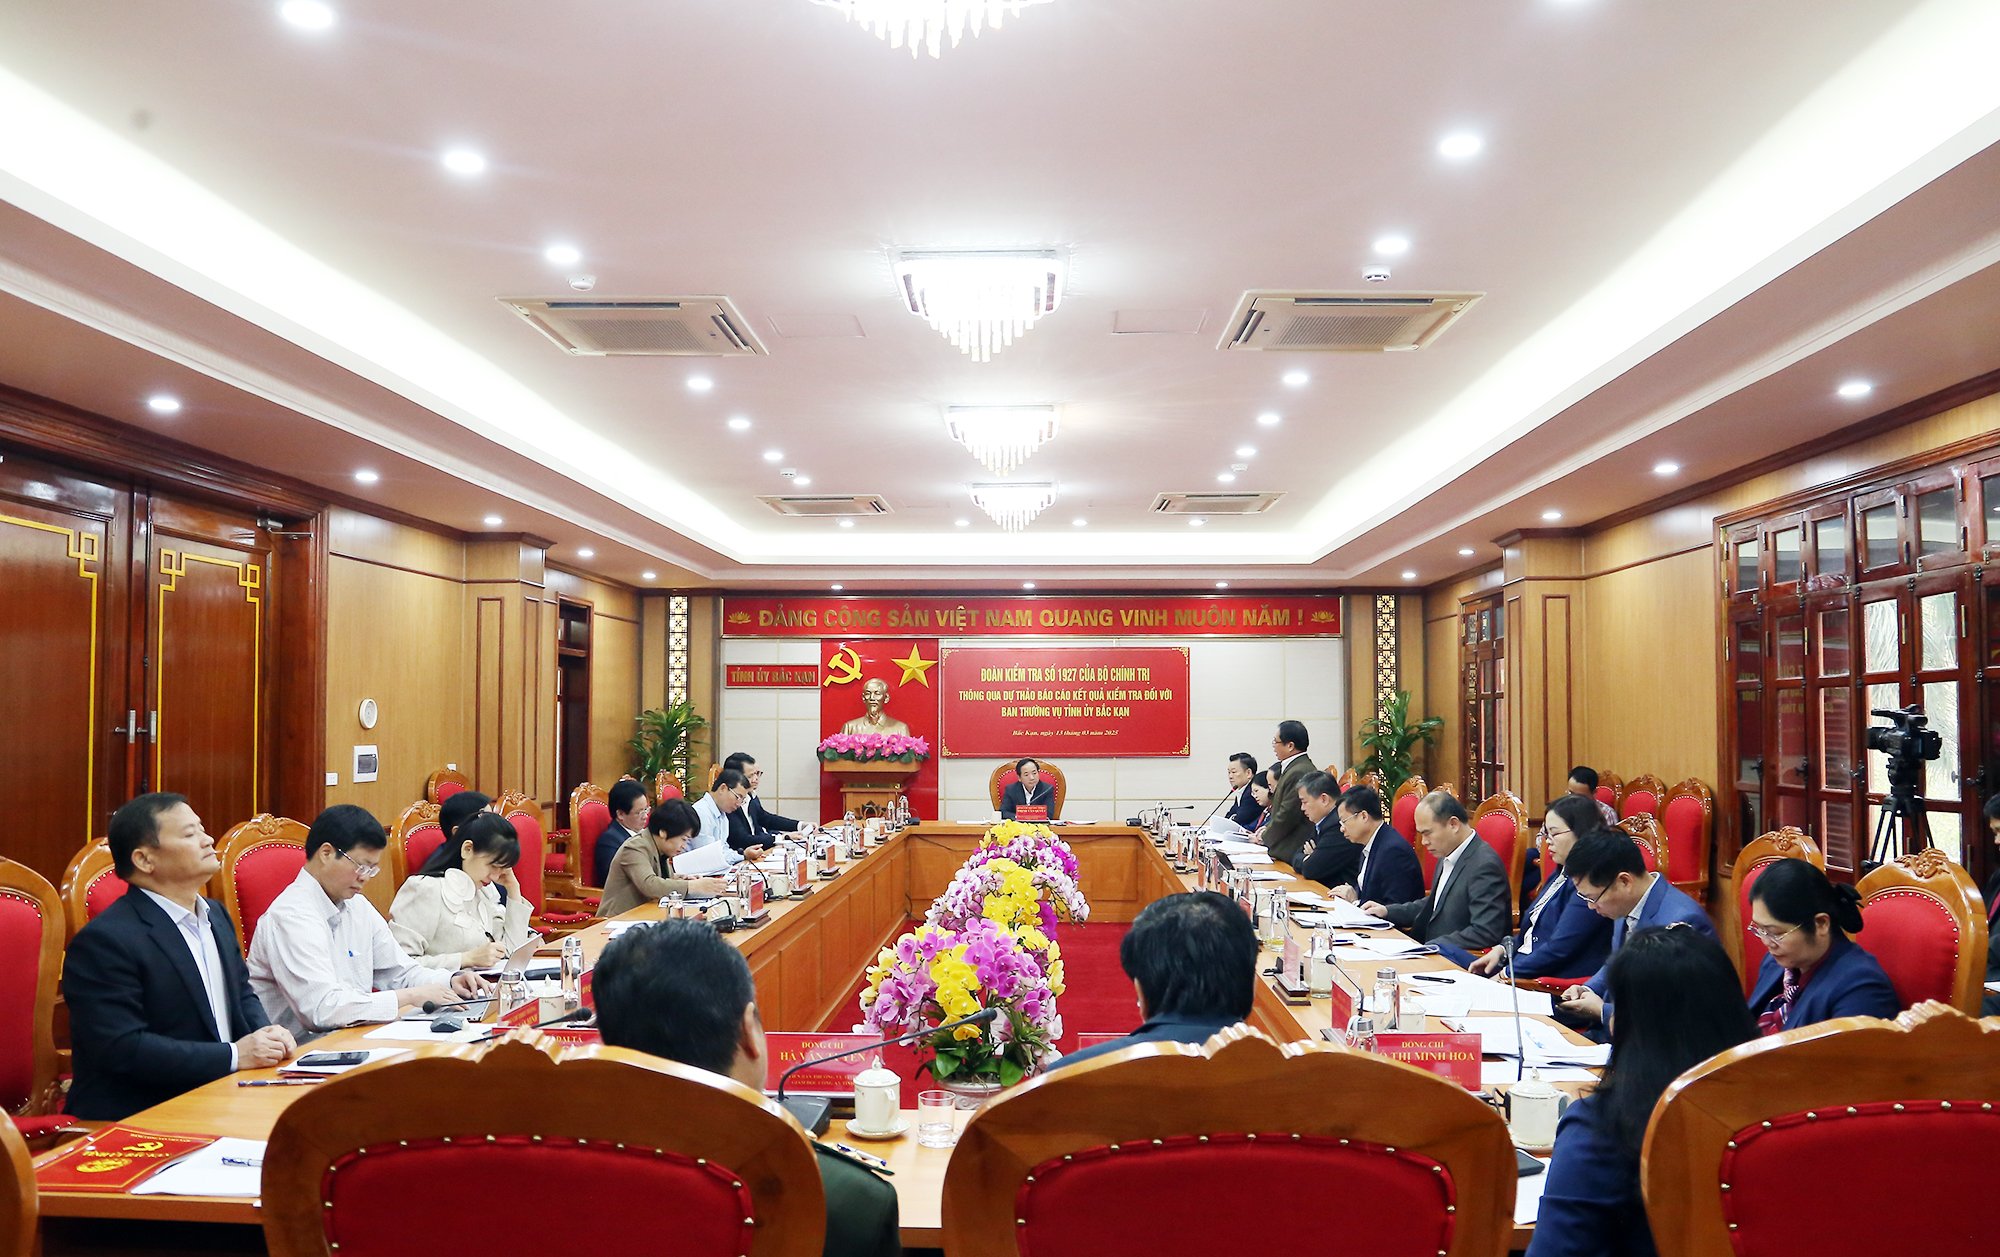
<point x="814" y="1116"/>
<point x="1520" y="1040"/>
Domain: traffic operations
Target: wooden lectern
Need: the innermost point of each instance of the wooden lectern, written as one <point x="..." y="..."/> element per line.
<point x="868" y="787"/>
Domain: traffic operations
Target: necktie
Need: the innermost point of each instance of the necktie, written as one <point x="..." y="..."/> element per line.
<point x="1618" y="933"/>
<point x="1773" y="1019"/>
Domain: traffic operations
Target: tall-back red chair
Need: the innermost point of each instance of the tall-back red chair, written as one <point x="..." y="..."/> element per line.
<point x="260" y="857"/>
<point x="1087" y="1160"/>
<point x="413" y="837"/>
<point x="1403" y="807"/>
<point x="526" y="1119"/>
<point x="1644" y="829"/>
<point x="20" y="1203"/>
<point x="1503" y="822"/>
<point x="1004" y="776"/>
<point x="90" y="884"/>
<point x="589" y="817"/>
<point x="444" y="783"/>
<point x="1688" y="817"/>
<point x="1642" y="794"/>
<point x="31" y="948"/>
<point x="526" y="817"/>
<point x="1923" y="919"/>
<point x="1731" y="1151"/>
<point x="666" y="785"/>
<point x="1757" y="855"/>
<point x="1610" y="789"/>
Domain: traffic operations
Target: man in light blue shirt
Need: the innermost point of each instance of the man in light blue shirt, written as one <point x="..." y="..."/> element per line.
<point x="728" y="793"/>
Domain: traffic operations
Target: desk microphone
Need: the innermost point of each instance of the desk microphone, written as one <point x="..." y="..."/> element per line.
<point x="817" y="1113"/>
<point x="1520" y="1040"/>
<point x="433" y="1006"/>
<point x="1217" y="808"/>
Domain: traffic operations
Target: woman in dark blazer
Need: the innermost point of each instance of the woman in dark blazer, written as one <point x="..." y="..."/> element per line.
<point x="1560" y="935"/>
<point x="1812" y="971"/>
<point x="1678" y="1004"/>
<point x="1027" y="790"/>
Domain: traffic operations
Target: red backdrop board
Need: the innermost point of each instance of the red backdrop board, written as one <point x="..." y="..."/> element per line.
<point x="909" y="665"/>
<point x="1064" y="701"/>
<point x="1070" y="615"/>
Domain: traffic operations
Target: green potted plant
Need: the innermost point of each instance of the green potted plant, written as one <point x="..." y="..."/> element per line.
<point x="1391" y="741"/>
<point x="666" y="741"/>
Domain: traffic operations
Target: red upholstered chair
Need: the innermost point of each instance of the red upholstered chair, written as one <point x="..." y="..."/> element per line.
<point x="1403" y="807"/>
<point x="1005" y="776"/>
<point x="31" y="948"/>
<point x="570" y="864"/>
<point x="1780" y="844"/>
<point x="260" y="857"/>
<point x="1086" y="1160"/>
<point x="1424" y="856"/>
<point x="90" y="884"/>
<point x="552" y="916"/>
<point x="444" y="783"/>
<point x="1610" y="788"/>
<point x="1643" y="793"/>
<point x="1688" y="817"/>
<point x="1503" y="822"/>
<point x="1923" y="919"/>
<point x="1732" y="1149"/>
<point x="413" y="836"/>
<point x="1348" y="779"/>
<point x="1644" y="829"/>
<point x="666" y="785"/>
<point x="20" y="1203"/>
<point x="526" y="1119"/>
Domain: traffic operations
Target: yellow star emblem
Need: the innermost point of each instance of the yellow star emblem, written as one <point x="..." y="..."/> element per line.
<point x="915" y="668"/>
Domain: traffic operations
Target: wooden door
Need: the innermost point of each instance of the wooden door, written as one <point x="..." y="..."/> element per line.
<point x="63" y="743"/>
<point x="208" y="660"/>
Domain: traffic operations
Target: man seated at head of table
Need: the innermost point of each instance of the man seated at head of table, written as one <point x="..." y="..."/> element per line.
<point x="159" y="1000"/>
<point x="726" y="795"/>
<point x="753" y="824"/>
<point x="1560" y="937"/>
<point x="1610" y="875"/>
<point x="1679" y="1003"/>
<point x="629" y="808"/>
<point x="677" y="990"/>
<point x="464" y="908"/>
<point x="1028" y="790"/>
<point x="323" y="957"/>
<point x="1470" y="905"/>
<point x="1389" y="871"/>
<point x="1242" y="806"/>
<point x="643" y="870"/>
<point x="1192" y="959"/>
<point x="1285" y="833"/>
<point x="1812" y="971"/>
<point x="1327" y="857"/>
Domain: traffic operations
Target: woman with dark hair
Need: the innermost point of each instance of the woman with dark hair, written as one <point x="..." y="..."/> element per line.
<point x="1263" y="787"/>
<point x="643" y="870"/>
<point x="1560" y="937"/>
<point x="464" y="908"/>
<point x="1678" y="1003"/>
<point x="1813" y="971"/>
<point x="460" y="808"/>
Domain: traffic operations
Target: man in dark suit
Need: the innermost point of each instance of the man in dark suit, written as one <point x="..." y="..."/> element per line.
<point x="680" y="991"/>
<point x="753" y="824"/>
<point x="1991" y="1006"/>
<point x="1388" y="871"/>
<point x="1469" y="905"/>
<point x="1193" y="960"/>
<point x="629" y="809"/>
<point x="1242" y="806"/>
<point x="1027" y="790"/>
<point x="1610" y="875"/>
<point x="1285" y="834"/>
<point x="1329" y="858"/>
<point x="159" y="998"/>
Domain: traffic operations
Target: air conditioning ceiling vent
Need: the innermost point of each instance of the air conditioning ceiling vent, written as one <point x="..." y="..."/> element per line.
<point x="1342" y="322"/>
<point x="641" y="327"/>
<point x="820" y="505"/>
<point x="1214" y="503"/>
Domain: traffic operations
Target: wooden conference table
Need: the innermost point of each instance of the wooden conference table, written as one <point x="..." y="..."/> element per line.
<point x="805" y="959"/>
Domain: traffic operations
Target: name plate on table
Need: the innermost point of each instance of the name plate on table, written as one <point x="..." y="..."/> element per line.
<point x="1292" y="961"/>
<point x="1452" y="1057"/>
<point x="115" y="1159"/>
<point x="1035" y="815"/>
<point x="834" y="1078"/>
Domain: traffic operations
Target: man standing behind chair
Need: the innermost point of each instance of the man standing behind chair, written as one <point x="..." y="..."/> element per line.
<point x="1469" y="905"/>
<point x="1285" y="834"/>
<point x="159" y="999"/>
<point x="1389" y="871"/>
<point x="629" y="809"/>
<point x="323" y="957"/>
<point x="753" y="824"/>
<point x="677" y="990"/>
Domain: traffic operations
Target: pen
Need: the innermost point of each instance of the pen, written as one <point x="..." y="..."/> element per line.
<point x="248" y="1163"/>
<point x="862" y="1157"/>
<point x="1428" y="977"/>
<point x="279" y="1082"/>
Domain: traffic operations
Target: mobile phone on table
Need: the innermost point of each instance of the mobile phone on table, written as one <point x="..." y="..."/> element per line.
<point x="320" y="1060"/>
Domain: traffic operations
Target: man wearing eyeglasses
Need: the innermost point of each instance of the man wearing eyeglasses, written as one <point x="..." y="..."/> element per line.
<point x="1610" y="875"/>
<point x="726" y="796"/>
<point x="322" y="957"/>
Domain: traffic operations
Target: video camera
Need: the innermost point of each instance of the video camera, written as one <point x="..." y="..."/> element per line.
<point x="1906" y="742"/>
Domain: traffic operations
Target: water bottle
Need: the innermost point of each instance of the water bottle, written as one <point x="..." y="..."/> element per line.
<point x="1387" y="998"/>
<point x="1319" y="966"/>
<point x="1275" y="921"/>
<point x="1361" y="1034"/>
<point x="572" y="973"/>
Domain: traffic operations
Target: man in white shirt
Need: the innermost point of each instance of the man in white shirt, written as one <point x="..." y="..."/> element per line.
<point x="729" y="792"/>
<point x="323" y="957"/>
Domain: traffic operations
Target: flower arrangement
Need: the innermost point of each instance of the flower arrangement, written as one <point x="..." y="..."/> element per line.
<point x="1028" y="845"/>
<point x="1010" y="894"/>
<point x="867" y="746"/>
<point x="936" y="974"/>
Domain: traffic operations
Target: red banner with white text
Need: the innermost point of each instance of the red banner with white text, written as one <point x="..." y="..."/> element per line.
<point x="1083" y="701"/>
<point x="1062" y="615"/>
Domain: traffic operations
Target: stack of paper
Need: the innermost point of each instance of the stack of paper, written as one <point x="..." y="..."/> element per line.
<point x="421" y="1032"/>
<point x="227" y="1167"/>
<point x="1528" y="1195"/>
<point x="1488" y="996"/>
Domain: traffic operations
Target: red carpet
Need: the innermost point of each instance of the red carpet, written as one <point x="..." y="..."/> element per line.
<point x="1097" y="999"/>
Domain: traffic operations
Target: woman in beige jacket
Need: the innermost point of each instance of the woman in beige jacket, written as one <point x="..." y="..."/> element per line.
<point x="642" y="870"/>
<point x="464" y="908"/>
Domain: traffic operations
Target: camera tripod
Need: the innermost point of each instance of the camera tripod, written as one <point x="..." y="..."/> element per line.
<point x="1902" y="803"/>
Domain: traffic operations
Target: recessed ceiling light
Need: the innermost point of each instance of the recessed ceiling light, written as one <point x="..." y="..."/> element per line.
<point x="838" y="588"/>
<point x="1227" y="477"/>
<point x="1552" y="515"/>
<point x="1270" y="418"/>
<point x="847" y="523"/>
<point x="1196" y="522"/>
<point x="464" y="161"/>
<point x="586" y="553"/>
<point x="492" y="521"/>
<point x="1078" y="522"/>
<point x="1222" y="584"/>
<point x="1392" y="246"/>
<point x="163" y="404"/>
<point x="1246" y="451"/>
<point x="1856" y="388"/>
<point x="961" y="523"/>
<point x="1465" y="552"/>
<point x="1027" y="584"/>
<point x="1295" y="378"/>
<point x="1409" y="576"/>
<point x="802" y="481"/>
<point x="774" y="456"/>
<point x="1666" y="467"/>
<point x="366" y="476"/>
<point x="700" y="384"/>
<point x="649" y="576"/>
<point x="1460" y="145"/>
<point x="308" y="15"/>
<point x="739" y="424"/>
<point x="563" y="254"/>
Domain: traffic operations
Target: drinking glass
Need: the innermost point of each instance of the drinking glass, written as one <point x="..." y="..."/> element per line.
<point x="936" y="1119"/>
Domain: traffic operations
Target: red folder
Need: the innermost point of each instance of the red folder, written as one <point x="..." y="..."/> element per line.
<point x="115" y="1159"/>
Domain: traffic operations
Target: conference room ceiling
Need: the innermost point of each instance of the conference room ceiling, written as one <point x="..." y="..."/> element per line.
<point x="1690" y="222"/>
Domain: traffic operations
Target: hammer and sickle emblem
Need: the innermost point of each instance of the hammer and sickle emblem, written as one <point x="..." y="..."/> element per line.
<point x="843" y="667"/>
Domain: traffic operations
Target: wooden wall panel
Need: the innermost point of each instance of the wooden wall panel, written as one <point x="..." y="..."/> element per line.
<point x="1650" y="702"/>
<point x="489" y="656"/>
